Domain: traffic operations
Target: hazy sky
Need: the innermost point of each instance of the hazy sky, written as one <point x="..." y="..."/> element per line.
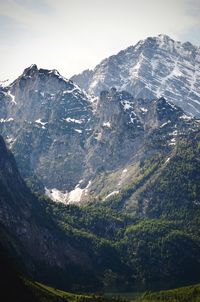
<point x="72" y="35"/>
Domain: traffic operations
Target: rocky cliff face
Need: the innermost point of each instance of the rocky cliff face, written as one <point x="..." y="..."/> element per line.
<point x="117" y="133"/>
<point x="128" y="132"/>
<point x="153" y="68"/>
<point x="46" y="120"/>
<point x="65" y="142"/>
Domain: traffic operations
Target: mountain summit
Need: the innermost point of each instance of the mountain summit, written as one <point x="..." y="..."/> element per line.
<point x="66" y="143"/>
<point x="154" y="67"/>
<point x="43" y="117"/>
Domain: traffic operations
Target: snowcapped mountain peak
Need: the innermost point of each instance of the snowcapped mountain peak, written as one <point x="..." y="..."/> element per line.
<point x="154" y="67"/>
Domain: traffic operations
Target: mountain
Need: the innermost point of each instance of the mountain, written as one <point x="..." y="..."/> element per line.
<point x="153" y="68"/>
<point x="132" y="165"/>
<point x="157" y="237"/>
<point x="31" y="237"/>
<point x="183" y="294"/>
<point x="45" y="247"/>
<point x="129" y="132"/>
<point x="63" y="139"/>
<point x="96" y="246"/>
<point x="13" y="285"/>
<point x="46" y="120"/>
<point x="164" y="185"/>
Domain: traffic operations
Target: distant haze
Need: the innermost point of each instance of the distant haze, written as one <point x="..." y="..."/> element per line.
<point x="73" y="35"/>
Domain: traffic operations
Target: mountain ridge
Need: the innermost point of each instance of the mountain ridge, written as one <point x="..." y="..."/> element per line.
<point x="63" y="139"/>
<point x="134" y="229"/>
<point x="50" y="115"/>
<point x="154" y="67"/>
<point x="130" y="164"/>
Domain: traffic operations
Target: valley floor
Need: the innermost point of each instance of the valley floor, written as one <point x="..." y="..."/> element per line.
<point x="49" y="294"/>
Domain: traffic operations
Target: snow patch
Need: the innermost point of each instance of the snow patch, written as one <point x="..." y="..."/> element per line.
<point x="107" y="124"/>
<point x="70" y="90"/>
<point x="57" y="195"/>
<point x="78" y="130"/>
<point x="111" y="194"/>
<point x="172" y="142"/>
<point x="167" y="160"/>
<point x="12" y="97"/>
<point x="127" y="105"/>
<point x="39" y="122"/>
<point x="66" y="197"/>
<point x="185" y="117"/>
<point x="2" y="120"/>
<point x="73" y="120"/>
<point x="98" y="136"/>
<point x="89" y="184"/>
<point x="175" y="133"/>
<point x="75" y="195"/>
<point x="165" y="124"/>
<point x="10" y="141"/>
<point x="143" y="109"/>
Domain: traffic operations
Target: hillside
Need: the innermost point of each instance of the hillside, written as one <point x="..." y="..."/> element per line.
<point x="104" y="194"/>
<point x="183" y="294"/>
<point x="15" y="287"/>
<point x="104" y="245"/>
<point x="161" y="240"/>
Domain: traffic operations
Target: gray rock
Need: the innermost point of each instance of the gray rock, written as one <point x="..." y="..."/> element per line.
<point x="46" y="119"/>
<point x="154" y="67"/>
<point x="64" y="140"/>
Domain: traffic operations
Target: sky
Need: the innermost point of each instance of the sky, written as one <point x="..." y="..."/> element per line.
<point x="74" y="35"/>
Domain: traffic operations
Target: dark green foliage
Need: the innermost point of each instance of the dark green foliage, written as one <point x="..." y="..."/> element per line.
<point x="157" y="248"/>
<point x="176" y="192"/>
<point x="160" y="249"/>
<point x="151" y="252"/>
<point x="163" y="250"/>
<point x="183" y="294"/>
